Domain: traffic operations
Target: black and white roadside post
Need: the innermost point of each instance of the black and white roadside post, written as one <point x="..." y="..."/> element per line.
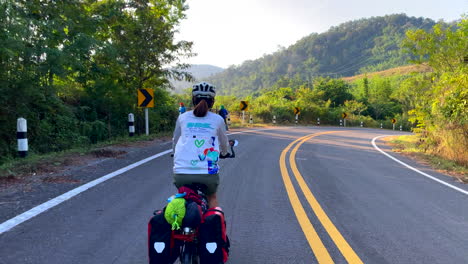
<point x="251" y="120"/>
<point x="341" y="122"/>
<point x="229" y="120"/>
<point x="362" y="124"/>
<point x="401" y="128"/>
<point x="274" y="119"/>
<point x="297" y="118"/>
<point x="21" y="130"/>
<point x="381" y="125"/>
<point x="318" y="121"/>
<point x="131" y="125"/>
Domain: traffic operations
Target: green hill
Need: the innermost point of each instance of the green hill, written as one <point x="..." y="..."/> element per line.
<point x="354" y="47"/>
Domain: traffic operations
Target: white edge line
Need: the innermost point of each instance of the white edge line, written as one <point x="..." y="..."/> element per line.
<point x="11" y="223"/>
<point x="416" y="170"/>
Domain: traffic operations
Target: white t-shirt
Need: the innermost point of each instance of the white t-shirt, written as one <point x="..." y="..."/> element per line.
<point x="197" y="143"/>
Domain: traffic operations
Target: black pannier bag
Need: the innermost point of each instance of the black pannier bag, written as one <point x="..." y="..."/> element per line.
<point x="213" y="240"/>
<point x="161" y="249"/>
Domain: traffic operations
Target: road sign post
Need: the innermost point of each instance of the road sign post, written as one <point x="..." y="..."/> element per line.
<point x="393" y="122"/>
<point x="297" y="111"/>
<point x="344" y="115"/>
<point x="147" y="121"/>
<point x="146" y="99"/>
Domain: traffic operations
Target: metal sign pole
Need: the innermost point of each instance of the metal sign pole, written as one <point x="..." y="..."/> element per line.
<point x="146" y="121"/>
<point x="345" y="122"/>
<point x="393" y="126"/>
<point x="243" y="117"/>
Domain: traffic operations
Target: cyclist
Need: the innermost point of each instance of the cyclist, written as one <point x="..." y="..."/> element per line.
<point x="223" y="112"/>
<point x="199" y="142"/>
<point x="181" y="108"/>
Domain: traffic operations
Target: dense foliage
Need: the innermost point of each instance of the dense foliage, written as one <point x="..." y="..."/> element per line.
<point x="71" y="68"/>
<point x="362" y="45"/>
<point x="439" y="99"/>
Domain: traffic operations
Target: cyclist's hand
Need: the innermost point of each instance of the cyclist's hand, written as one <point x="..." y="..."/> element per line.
<point x="228" y="155"/>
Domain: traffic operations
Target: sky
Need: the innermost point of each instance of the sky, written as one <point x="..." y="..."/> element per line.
<point x="229" y="32"/>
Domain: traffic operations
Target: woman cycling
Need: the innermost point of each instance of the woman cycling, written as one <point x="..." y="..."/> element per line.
<point x="199" y="142"/>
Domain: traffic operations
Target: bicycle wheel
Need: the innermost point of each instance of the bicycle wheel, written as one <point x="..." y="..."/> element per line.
<point x="187" y="255"/>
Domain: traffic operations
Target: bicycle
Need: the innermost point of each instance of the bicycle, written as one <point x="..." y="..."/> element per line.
<point x="188" y="236"/>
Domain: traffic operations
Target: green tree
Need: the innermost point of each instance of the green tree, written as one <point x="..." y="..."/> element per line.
<point x="440" y="108"/>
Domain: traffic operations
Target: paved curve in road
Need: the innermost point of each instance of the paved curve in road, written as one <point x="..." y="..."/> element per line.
<point x="292" y="195"/>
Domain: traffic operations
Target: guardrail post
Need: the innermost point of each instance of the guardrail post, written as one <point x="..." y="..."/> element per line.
<point x="21" y="135"/>
<point x="131" y="125"/>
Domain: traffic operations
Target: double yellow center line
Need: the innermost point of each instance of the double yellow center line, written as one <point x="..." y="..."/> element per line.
<point x="319" y="250"/>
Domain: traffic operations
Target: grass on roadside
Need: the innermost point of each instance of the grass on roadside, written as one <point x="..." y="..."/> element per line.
<point x="17" y="167"/>
<point x="408" y="145"/>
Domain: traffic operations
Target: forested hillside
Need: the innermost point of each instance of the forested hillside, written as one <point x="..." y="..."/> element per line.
<point x="363" y="45"/>
<point x="199" y="73"/>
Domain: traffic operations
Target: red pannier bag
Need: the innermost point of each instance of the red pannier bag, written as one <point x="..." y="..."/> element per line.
<point x="213" y="240"/>
<point x="160" y="248"/>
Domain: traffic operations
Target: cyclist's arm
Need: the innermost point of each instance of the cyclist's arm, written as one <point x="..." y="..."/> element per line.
<point x="176" y="136"/>
<point x="223" y="139"/>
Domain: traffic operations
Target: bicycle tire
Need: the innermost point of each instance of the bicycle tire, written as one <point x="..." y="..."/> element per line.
<point x="187" y="255"/>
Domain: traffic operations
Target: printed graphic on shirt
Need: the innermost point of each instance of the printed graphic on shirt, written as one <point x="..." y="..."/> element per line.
<point x="199" y="128"/>
<point x="211" y="156"/>
<point x="199" y="143"/>
<point x="205" y="145"/>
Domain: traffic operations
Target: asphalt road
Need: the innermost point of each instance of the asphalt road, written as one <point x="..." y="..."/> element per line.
<point x="328" y="198"/>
